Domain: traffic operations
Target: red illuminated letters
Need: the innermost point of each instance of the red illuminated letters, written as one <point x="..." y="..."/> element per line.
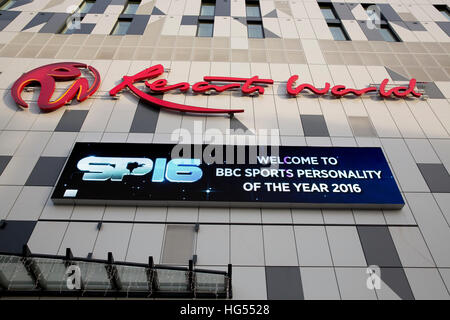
<point x="340" y="90"/>
<point x="47" y="75"/>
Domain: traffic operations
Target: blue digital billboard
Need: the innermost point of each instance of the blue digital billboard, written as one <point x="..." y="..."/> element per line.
<point x="222" y="175"/>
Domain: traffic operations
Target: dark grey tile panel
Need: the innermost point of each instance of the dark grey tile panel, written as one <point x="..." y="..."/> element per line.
<point x="431" y="90"/>
<point x="189" y="20"/>
<point x="445" y="26"/>
<point x="100" y="6"/>
<point x="415" y="26"/>
<point x="138" y="24"/>
<point x="371" y="34"/>
<point x="223" y="8"/>
<point x="436" y="176"/>
<point x="72" y="120"/>
<point x="157" y="12"/>
<point x="145" y="118"/>
<point x="85" y="28"/>
<point x="241" y="20"/>
<point x="269" y="34"/>
<point x="396" y="76"/>
<point x="20" y="3"/>
<point x="314" y="126"/>
<point x="235" y="124"/>
<point x="400" y="24"/>
<point x="388" y="12"/>
<point x="396" y="279"/>
<point x="284" y="283"/>
<point x="118" y="2"/>
<point x="38" y="19"/>
<point x="46" y="171"/>
<point x="343" y="11"/>
<point x="272" y="14"/>
<point x="14" y="235"/>
<point x="378" y="246"/>
<point x="55" y="24"/>
<point x="6" y="17"/>
<point x="4" y="160"/>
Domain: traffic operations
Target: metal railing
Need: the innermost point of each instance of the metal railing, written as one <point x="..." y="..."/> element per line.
<point x="65" y="276"/>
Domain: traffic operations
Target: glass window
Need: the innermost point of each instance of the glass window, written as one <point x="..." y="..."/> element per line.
<point x="67" y="29"/>
<point x="86" y="6"/>
<point x="252" y="10"/>
<point x="255" y="30"/>
<point x="337" y="32"/>
<point x="444" y="10"/>
<point x="132" y="7"/>
<point x="327" y="11"/>
<point x="387" y="34"/>
<point x="8" y="5"/>
<point x="205" y="29"/>
<point x="207" y="9"/>
<point x="121" y="27"/>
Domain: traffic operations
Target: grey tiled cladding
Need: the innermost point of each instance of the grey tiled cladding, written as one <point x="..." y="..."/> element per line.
<point x="396" y="76"/>
<point x="157" y="12"/>
<point x="19" y="3"/>
<point x="432" y="90"/>
<point x="284" y="283"/>
<point x="444" y="25"/>
<point x="14" y="235"/>
<point x="189" y="20"/>
<point x="40" y="18"/>
<point x="100" y="6"/>
<point x="314" y="126"/>
<point x="343" y="11"/>
<point x="415" y="26"/>
<point x="72" y="120"/>
<point x="235" y="124"/>
<point x="362" y="127"/>
<point x="145" y="118"/>
<point x="85" y="28"/>
<point x="147" y="123"/>
<point x="223" y="8"/>
<point x="138" y="24"/>
<point x="436" y="176"/>
<point x="6" y="17"/>
<point x="55" y="24"/>
<point x="271" y="14"/>
<point x="4" y="160"/>
<point x="388" y="12"/>
<point x="378" y="247"/>
<point x="397" y="281"/>
<point x="371" y="34"/>
<point x="46" y="171"/>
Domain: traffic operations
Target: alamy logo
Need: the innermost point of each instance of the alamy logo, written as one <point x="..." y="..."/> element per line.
<point x="73" y="280"/>
<point x="373" y="282"/>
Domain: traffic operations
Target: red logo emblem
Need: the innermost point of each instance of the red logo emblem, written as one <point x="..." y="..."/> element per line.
<point x="46" y="76"/>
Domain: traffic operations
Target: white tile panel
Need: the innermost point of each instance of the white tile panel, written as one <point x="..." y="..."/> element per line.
<point x="345" y="246"/>
<point x="146" y="240"/>
<point x="279" y="246"/>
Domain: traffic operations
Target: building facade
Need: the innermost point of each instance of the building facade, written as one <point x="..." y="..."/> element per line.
<point x="276" y="253"/>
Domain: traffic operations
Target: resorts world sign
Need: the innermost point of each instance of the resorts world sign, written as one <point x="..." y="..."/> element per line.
<point x="46" y="77"/>
<point x="218" y="175"/>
